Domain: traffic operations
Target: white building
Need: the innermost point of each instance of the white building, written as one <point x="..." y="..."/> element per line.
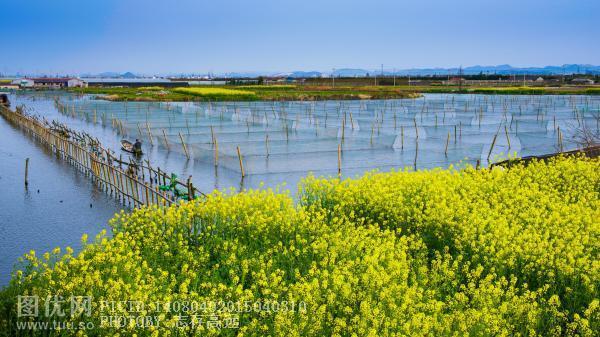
<point x="584" y="81"/>
<point x="23" y="82"/>
<point x="76" y="83"/>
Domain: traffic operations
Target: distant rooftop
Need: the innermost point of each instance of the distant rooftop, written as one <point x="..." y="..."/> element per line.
<point x="125" y="80"/>
<point x="51" y="79"/>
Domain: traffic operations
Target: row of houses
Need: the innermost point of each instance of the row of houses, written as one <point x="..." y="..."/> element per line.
<point x="539" y="80"/>
<point x="50" y="82"/>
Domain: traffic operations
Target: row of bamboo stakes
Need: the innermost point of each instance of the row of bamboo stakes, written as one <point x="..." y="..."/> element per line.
<point x="478" y="114"/>
<point x="106" y="171"/>
<point x="116" y="123"/>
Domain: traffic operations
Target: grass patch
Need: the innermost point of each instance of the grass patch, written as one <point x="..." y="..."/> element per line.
<point x="248" y="93"/>
<point x="268" y="87"/>
<point x="151" y="88"/>
<point x="216" y="93"/>
<point x="592" y="91"/>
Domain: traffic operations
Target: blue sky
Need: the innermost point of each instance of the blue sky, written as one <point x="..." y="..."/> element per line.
<point x="70" y="36"/>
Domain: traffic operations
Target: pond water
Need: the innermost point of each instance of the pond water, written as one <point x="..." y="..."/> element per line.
<point x="280" y="142"/>
<point x="52" y="211"/>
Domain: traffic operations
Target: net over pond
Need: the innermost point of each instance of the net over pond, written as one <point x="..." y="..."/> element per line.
<point x="284" y="141"/>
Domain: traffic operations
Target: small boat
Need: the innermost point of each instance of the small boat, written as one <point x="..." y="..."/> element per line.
<point x="4" y="100"/>
<point x="128" y="147"/>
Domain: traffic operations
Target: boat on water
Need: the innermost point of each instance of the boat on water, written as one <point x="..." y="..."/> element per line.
<point x="128" y="146"/>
<point x="4" y="100"/>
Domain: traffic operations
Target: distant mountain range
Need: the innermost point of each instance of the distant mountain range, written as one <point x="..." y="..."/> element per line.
<point x="504" y="69"/>
<point x="110" y="74"/>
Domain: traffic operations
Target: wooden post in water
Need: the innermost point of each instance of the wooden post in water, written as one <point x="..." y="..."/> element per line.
<point x="454" y="133"/>
<point x="216" y="153"/>
<point x="190" y="188"/>
<point x="241" y="162"/>
<point x="184" y="147"/>
<point x="267" y="144"/>
<point x="343" y="127"/>
<point x="402" y="136"/>
<point x="416" y="128"/>
<point x="416" y="153"/>
<point x="26" y="171"/>
<point x="447" y="142"/>
<point x="165" y="138"/>
<point x="149" y="134"/>
<point x="559" y="139"/>
<point x="339" y="160"/>
<point x="492" y="147"/>
<point x="507" y="137"/>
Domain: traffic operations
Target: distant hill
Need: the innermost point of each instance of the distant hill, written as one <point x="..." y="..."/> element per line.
<point x="111" y="74"/>
<point x="503" y="69"/>
<point x="128" y="75"/>
<point x="348" y="72"/>
<point x="305" y="74"/>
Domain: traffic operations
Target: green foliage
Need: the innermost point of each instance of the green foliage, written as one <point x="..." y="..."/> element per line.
<point x="592" y="91"/>
<point x="432" y="253"/>
<point x="217" y="93"/>
<point x="537" y="224"/>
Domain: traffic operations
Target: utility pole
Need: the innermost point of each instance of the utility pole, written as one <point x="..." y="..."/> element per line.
<point x="460" y="73"/>
<point x="333" y="78"/>
<point x="394" y="76"/>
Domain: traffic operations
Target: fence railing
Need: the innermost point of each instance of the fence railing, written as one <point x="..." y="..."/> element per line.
<point x="135" y="184"/>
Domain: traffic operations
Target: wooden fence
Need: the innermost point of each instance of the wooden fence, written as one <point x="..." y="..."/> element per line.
<point x="137" y="185"/>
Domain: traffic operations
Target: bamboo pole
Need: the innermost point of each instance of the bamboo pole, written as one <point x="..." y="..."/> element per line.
<point x="216" y="153"/>
<point x="99" y="168"/>
<point x="241" y="162"/>
<point x="190" y="188"/>
<point x="26" y="171"/>
<point x="559" y="139"/>
<point x="454" y="133"/>
<point x="149" y="133"/>
<point x="416" y="128"/>
<point x="416" y="153"/>
<point x="267" y="144"/>
<point x="165" y="138"/>
<point x="184" y="147"/>
<point x="492" y="147"/>
<point x="343" y="128"/>
<point x="447" y="142"/>
<point x="339" y="153"/>
<point x="402" y="137"/>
